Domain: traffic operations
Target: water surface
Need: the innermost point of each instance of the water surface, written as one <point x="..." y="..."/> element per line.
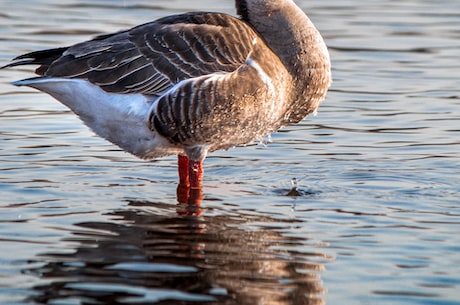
<point x="374" y="218"/>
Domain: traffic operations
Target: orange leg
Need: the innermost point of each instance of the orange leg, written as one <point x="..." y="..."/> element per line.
<point x="189" y="190"/>
<point x="190" y="172"/>
<point x="195" y="173"/>
<point x="183" y="171"/>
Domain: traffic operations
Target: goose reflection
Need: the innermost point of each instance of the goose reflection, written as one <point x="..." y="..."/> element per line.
<point x="153" y="253"/>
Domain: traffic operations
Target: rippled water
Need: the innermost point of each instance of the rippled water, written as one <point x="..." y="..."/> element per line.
<point x="374" y="219"/>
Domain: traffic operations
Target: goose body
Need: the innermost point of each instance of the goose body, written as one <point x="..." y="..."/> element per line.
<point x="192" y="83"/>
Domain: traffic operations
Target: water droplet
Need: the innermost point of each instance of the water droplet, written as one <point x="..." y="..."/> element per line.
<point x="294" y="182"/>
<point x="294" y="191"/>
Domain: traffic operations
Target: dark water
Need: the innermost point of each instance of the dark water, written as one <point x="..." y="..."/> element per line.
<point x="374" y="217"/>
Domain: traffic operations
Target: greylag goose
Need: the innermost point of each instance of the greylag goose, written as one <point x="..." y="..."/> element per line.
<point x="192" y="83"/>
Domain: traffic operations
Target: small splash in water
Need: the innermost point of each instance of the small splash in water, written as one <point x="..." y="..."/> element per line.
<point x="294" y="188"/>
<point x="295" y="191"/>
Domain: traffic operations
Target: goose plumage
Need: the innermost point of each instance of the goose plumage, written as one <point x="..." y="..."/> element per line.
<point x="192" y="83"/>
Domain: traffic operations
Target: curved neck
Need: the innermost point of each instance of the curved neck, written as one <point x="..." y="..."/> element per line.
<point x="289" y="33"/>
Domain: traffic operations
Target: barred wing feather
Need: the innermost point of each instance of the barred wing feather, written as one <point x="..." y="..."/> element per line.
<point x="151" y="58"/>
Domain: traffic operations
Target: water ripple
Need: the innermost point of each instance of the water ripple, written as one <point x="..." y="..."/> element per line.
<point x="244" y="259"/>
<point x="372" y="216"/>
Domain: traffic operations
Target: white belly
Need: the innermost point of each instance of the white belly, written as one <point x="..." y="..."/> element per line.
<point x="119" y="118"/>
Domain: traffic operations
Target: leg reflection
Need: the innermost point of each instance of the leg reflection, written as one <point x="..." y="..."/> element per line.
<point x="189" y="200"/>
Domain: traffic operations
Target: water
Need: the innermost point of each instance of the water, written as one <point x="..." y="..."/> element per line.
<point x="373" y="218"/>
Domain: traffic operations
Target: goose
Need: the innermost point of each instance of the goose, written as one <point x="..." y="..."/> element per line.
<point x="192" y="83"/>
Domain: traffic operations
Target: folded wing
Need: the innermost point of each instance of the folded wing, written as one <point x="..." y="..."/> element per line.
<point x="151" y="58"/>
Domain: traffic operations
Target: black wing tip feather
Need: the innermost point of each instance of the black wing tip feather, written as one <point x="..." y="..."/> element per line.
<point x="42" y="57"/>
<point x="43" y="54"/>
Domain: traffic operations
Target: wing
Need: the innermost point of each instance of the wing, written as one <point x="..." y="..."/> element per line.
<point x="151" y="58"/>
